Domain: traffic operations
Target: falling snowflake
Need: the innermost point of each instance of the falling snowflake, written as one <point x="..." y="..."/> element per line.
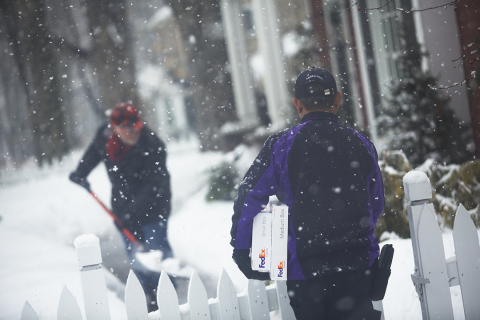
<point x="115" y="168"/>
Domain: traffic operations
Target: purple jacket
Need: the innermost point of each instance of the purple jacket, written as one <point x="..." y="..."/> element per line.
<point x="328" y="175"/>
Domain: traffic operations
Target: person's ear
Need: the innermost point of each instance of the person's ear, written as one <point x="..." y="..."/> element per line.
<point x="300" y="108"/>
<point x="338" y="99"/>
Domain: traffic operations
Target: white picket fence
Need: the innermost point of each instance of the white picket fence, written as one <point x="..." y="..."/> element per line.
<point x="256" y="302"/>
<point x="434" y="275"/>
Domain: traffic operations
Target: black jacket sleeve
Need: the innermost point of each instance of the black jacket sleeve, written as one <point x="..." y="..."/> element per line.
<point x="257" y="185"/>
<point x="93" y="154"/>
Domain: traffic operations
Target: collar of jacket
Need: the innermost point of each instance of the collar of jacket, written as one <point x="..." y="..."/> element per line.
<point x="320" y="115"/>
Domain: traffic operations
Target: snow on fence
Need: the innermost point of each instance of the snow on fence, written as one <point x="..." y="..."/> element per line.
<point x="256" y="302"/>
<point x="434" y="275"/>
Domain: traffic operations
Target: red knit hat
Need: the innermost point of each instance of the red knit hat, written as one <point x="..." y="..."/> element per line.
<point x="125" y="115"/>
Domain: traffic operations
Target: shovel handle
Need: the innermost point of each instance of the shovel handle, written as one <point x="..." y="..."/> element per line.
<point x="117" y="221"/>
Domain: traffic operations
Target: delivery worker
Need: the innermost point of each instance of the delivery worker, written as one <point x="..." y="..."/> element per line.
<point x="328" y="176"/>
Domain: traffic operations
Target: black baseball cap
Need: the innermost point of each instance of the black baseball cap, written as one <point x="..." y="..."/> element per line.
<point x="315" y="75"/>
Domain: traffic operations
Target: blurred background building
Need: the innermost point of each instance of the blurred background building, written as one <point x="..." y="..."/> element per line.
<point x="222" y="73"/>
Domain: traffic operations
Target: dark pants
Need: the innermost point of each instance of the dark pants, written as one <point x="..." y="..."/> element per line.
<point x="346" y="295"/>
<point x="155" y="238"/>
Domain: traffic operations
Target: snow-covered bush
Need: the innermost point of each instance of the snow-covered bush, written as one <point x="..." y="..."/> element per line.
<point x="454" y="184"/>
<point x="451" y="184"/>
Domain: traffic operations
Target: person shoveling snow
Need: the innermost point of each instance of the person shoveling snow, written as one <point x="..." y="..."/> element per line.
<point x="135" y="159"/>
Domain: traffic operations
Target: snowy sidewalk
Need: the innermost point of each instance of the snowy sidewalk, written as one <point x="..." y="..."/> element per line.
<point x="42" y="212"/>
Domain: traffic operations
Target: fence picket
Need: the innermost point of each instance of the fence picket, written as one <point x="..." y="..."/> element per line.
<point x="167" y="299"/>
<point x="135" y="301"/>
<point x="198" y="299"/>
<point x="93" y="277"/>
<point x="430" y="245"/>
<point x="214" y="308"/>
<point x="227" y="298"/>
<point x="243" y="306"/>
<point x="68" y="308"/>
<point x="285" y="309"/>
<point x="467" y="251"/>
<point x="28" y="313"/>
<point x="272" y="297"/>
<point x="257" y="300"/>
<point x="378" y="305"/>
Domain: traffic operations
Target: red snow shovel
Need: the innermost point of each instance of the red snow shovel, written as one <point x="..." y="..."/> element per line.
<point x="151" y="259"/>
<point x="117" y="221"/>
<point x="82" y="182"/>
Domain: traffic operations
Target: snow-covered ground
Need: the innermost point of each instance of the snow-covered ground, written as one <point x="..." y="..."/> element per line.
<point x="42" y="212"/>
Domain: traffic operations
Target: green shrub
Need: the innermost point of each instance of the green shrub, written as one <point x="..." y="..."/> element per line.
<point x="393" y="166"/>
<point x="223" y="182"/>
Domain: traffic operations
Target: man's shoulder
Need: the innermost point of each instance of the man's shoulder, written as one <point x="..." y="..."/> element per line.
<point x="150" y="138"/>
<point x="277" y="135"/>
<point x="359" y="134"/>
<point x="366" y="142"/>
<point x="283" y="134"/>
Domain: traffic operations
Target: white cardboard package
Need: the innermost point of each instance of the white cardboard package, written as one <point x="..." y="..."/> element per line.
<point x="270" y="240"/>
<point x="262" y="241"/>
<point x="278" y="269"/>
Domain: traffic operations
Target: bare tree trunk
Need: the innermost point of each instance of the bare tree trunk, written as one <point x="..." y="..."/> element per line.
<point x="201" y="27"/>
<point x="27" y="29"/>
<point x="111" y="53"/>
<point x="14" y="122"/>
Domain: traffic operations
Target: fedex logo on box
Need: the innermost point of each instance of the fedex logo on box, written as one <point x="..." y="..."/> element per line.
<point x="280" y="269"/>
<point x="261" y="256"/>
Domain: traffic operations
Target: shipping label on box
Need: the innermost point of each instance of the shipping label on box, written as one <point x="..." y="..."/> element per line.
<point x="261" y="241"/>
<point x="278" y="270"/>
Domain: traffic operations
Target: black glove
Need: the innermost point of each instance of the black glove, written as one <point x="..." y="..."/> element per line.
<point x="243" y="261"/>
<point x="381" y="272"/>
<point x="81" y="181"/>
